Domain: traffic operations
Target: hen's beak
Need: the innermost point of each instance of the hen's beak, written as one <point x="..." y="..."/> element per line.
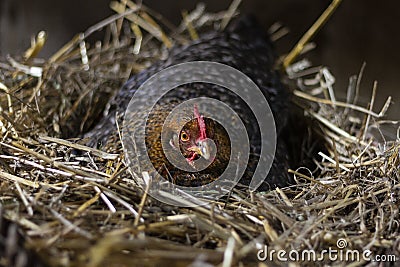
<point x="202" y="148"/>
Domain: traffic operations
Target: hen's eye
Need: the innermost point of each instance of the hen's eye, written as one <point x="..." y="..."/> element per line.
<point x="184" y="137"/>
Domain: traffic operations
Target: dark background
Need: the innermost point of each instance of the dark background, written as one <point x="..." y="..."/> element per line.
<point x="360" y="30"/>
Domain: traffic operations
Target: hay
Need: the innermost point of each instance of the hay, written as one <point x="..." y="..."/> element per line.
<point x="77" y="206"/>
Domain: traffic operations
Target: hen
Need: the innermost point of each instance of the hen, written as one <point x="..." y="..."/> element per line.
<point x="243" y="46"/>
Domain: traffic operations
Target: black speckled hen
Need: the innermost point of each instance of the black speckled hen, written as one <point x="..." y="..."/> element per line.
<point x="243" y="46"/>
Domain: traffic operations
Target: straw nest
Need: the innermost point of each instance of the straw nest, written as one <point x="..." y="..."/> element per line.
<point x="64" y="204"/>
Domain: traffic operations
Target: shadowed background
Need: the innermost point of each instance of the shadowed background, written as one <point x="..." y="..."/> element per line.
<point x="360" y="30"/>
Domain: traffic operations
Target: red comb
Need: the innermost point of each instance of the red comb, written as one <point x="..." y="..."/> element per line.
<point x="200" y="121"/>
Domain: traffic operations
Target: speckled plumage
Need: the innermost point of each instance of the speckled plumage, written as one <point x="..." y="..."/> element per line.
<point x="243" y="46"/>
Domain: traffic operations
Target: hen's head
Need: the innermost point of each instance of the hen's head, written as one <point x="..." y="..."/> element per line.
<point x="202" y="141"/>
<point x="195" y="138"/>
